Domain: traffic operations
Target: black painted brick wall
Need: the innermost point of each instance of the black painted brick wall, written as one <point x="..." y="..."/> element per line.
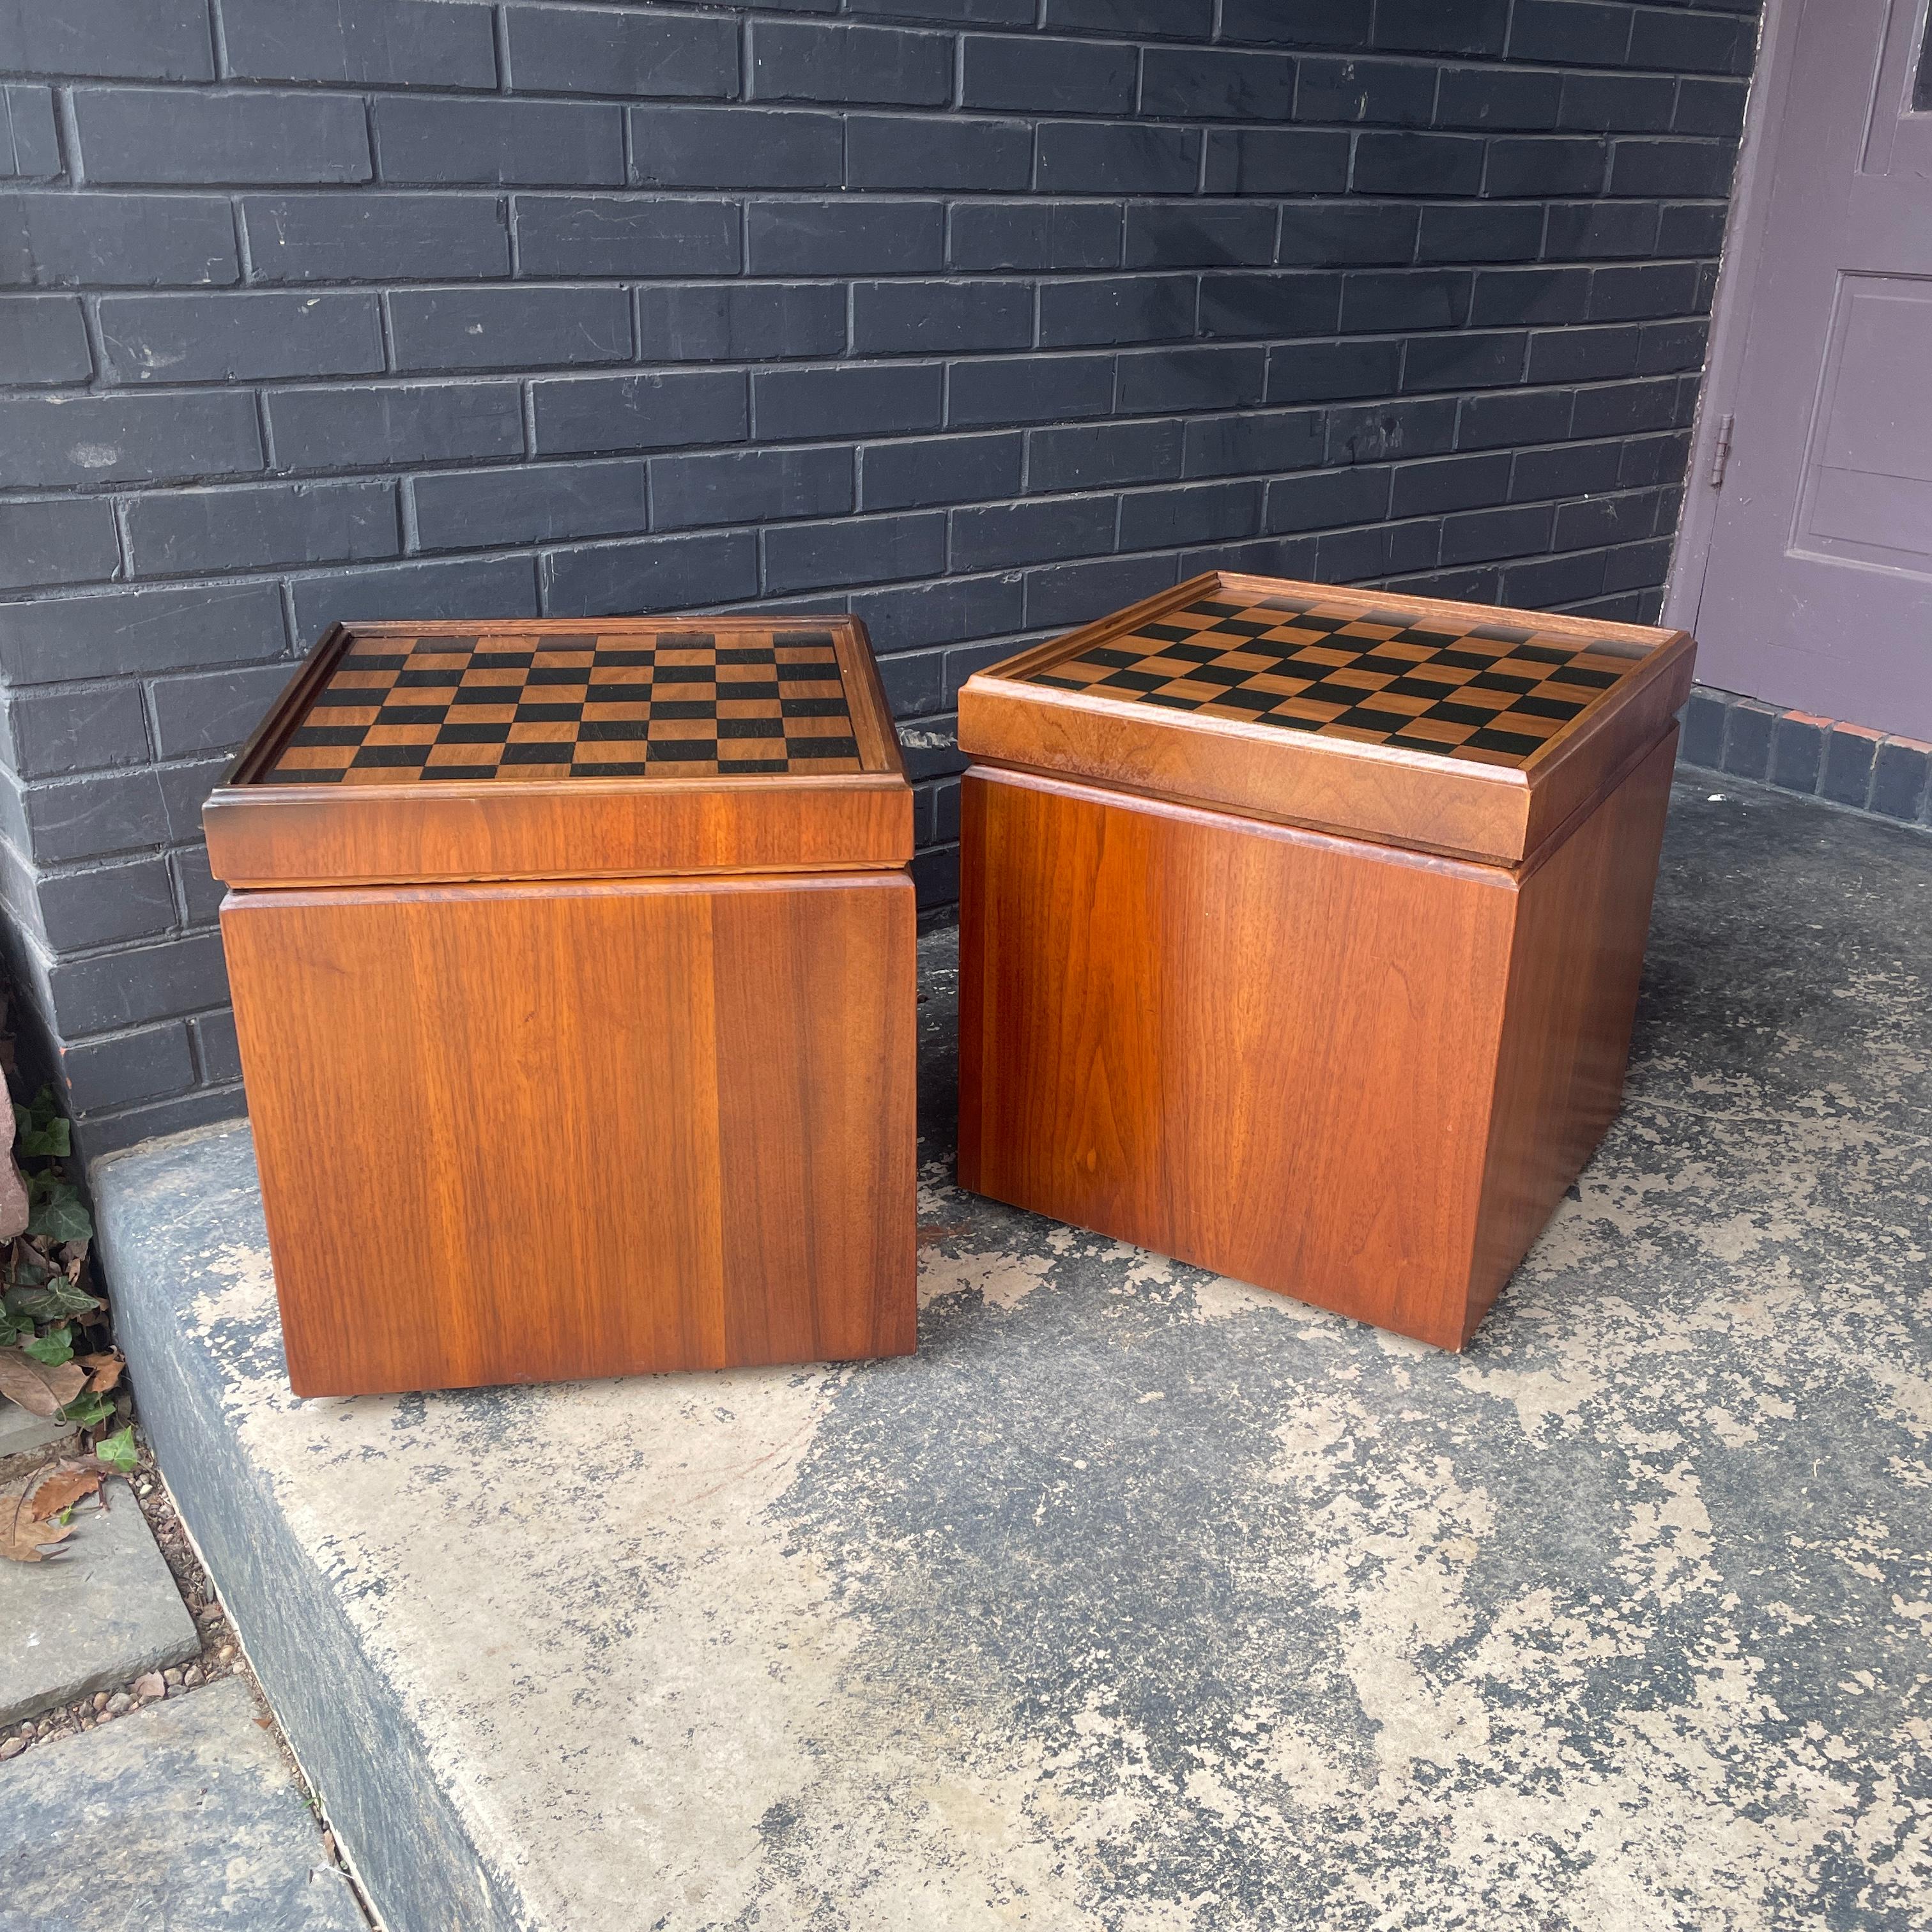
<point x="977" y="317"/>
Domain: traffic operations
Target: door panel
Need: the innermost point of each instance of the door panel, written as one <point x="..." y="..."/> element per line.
<point x="1898" y="139"/>
<point x="1868" y="486"/>
<point x="1818" y="589"/>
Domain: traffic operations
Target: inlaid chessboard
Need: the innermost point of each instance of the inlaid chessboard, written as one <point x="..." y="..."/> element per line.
<point x="1372" y="669"/>
<point x="634" y="702"/>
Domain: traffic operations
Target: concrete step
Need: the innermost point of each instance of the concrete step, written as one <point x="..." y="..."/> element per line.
<point x="1140" y="1600"/>
<point x="185" y="1816"/>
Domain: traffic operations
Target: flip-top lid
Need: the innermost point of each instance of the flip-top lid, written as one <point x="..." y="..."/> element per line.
<point x="546" y="748"/>
<point x="1457" y="728"/>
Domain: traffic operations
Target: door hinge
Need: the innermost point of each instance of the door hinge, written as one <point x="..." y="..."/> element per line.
<point x="1721" y="456"/>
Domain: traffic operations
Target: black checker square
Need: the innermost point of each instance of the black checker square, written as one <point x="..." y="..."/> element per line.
<point x="630" y="705"/>
<point x="1339" y="665"/>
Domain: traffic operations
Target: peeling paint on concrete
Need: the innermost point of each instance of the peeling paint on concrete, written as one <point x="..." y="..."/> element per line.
<point x="1145" y="1601"/>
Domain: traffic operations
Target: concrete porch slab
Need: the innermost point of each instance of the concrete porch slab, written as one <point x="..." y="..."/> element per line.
<point x="1139" y="1600"/>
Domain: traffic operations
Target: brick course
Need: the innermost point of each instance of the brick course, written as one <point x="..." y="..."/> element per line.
<point x="977" y="317"/>
<point x="1848" y="764"/>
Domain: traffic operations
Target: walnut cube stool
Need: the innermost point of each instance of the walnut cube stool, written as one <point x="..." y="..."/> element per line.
<point x="1300" y="930"/>
<point x="573" y="969"/>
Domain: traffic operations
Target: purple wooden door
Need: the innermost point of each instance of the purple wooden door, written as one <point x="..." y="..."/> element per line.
<point x="1818" y="590"/>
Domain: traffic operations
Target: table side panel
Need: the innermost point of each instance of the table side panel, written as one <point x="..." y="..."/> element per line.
<point x="1582" y="918"/>
<point x="1264" y="1051"/>
<point x="517" y="1133"/>
<point x="818" y="1026"/>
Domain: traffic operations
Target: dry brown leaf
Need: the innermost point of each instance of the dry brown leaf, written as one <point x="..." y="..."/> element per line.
<point x="931" y="1233"/>
<point x="15" y="1209"/>
<point x="27" y="1541"/>
<point x="104" y="1370"/>
<point x="37" y="1387"/>
<point x="59" y="1488"/>
<point x="22" y="1535"/>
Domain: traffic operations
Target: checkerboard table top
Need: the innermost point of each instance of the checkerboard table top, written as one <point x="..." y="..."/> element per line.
<point x="1462" y="730"/>
<point x="1377" y="670"/>
<point x="606" y="699"/>
<point x="552" y="748"/>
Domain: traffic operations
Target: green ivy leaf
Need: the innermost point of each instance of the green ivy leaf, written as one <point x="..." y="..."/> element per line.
<point x="41" y="1128"/>
<point x="59" y="1214"/>
<point x="30" y="1270"/>
<point x="53" y="1300"/>
<point x="117" y="1451"/>
<point x="89" y="1410"/>
<point x="54" y="1348"/>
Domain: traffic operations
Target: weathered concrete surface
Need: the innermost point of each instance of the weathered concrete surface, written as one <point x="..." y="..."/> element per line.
<point x="22" y="1433"/>
<point x="1142" y="1601"/>
<point x="184" y="1817"/>
<point x="105" y="1609"/>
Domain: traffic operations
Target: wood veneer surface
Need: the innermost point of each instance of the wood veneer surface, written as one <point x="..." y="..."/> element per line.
<point x="1357" y="1075"/>
<point x="1583" y="917"/>
<point x="1267" y="1051"/>
<point x="532" y="1132"/>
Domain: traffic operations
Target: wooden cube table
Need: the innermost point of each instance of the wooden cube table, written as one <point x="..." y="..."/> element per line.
<point x="573" y="968"/>
<point x="1300" y="930"/>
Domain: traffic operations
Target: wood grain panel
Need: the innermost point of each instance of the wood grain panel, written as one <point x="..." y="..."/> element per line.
<point x="533" y="1131"/>
<point x="579" y="828"/>
<point x="819" y="1033"/>
<point x="1581" y="920"/>
<point x="1266" y="1052"/>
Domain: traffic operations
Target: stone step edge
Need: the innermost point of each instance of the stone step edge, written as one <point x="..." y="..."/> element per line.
<point x="396" y="1823"/>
